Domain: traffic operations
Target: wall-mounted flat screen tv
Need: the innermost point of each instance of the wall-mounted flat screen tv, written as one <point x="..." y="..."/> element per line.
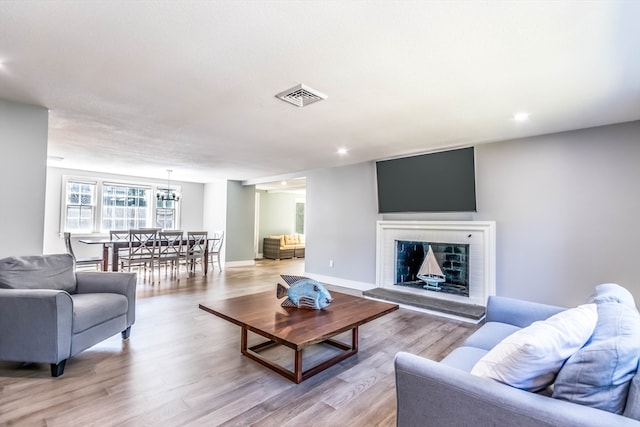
<point x="436" y="182"/>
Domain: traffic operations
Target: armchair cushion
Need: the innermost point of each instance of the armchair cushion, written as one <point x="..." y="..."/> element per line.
<point x="90" y="310"/>
<point x="38" y="272"/>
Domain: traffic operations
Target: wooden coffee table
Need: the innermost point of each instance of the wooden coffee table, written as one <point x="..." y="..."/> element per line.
<point x="298" y="328"/>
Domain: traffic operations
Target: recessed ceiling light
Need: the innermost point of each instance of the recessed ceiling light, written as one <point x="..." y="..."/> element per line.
<point x="283" y="182"/>
<point x="342" y="151"/>
<point x="520" y="117"/>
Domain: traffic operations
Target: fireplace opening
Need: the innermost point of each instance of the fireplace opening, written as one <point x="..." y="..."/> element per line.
<point x="433" y="266"/>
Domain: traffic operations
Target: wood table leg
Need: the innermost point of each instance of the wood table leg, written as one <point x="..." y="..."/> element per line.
<point x="297" y="370"/>
<point x="298" y="375"/>
<point x="115" y="259"/>
<point x="243" y="341"/>
<point x="205" y="261"/>
<point x="105" y="257"/>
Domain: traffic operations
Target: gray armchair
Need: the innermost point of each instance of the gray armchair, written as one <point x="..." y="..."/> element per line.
<point x="48" y="312"/>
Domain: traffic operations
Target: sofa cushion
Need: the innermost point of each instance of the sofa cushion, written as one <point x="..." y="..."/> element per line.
<point x="464" y="358"/>
<point x="632" y="410"/>
<point x="490" y="335"/>
<point x="599" y="374"/>
<point x="38" y="272"/>
<point x="90" y="310"/>
<point x="530" y="358"/>
<point x="291" y="239"/>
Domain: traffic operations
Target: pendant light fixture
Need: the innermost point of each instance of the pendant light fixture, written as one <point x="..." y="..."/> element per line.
<point x="168" y="193"/>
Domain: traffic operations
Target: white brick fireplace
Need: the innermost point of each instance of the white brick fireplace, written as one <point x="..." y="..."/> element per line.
<point x="479" y="235"/>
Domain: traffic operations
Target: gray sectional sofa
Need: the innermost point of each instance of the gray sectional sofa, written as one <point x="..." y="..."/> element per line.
<point x="445" y="393"/>
<point x="48" y="312"/>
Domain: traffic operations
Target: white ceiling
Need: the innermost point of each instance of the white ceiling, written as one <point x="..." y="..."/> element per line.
<point x="142" y="87"/>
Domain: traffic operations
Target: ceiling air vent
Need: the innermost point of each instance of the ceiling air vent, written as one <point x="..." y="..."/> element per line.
<point x="301" y="95"/>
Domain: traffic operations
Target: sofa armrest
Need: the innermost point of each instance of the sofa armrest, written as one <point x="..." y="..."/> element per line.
<point x="431" y="393"/>
<point x="116" y="283"/>
<point x="518" y="312"/>
<point x="271" y="248"/>
<point x="35" y="325"/>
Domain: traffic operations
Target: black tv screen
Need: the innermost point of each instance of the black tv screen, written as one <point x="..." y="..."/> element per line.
<point x="436" y="182"/>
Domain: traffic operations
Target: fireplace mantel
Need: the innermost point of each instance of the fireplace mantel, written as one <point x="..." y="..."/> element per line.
<point x="480" y="235"/>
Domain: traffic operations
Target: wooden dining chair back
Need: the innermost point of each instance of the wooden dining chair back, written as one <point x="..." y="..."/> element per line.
<point x="169" y="249"/>
<point x="83" y="261"/>
<point x="215" y="247"/>
<point x="118" y="235"/>
<point x="196" y="250"/>
<point x="142" y="250"/>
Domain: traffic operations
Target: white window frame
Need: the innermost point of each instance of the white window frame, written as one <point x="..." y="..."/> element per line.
<point x="97" y="213"/>
<point x="65" y="198"/>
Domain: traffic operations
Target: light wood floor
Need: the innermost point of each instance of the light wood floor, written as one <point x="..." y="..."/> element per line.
<point x="182" y="367"/>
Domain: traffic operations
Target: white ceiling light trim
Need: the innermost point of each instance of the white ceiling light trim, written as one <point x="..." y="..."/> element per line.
<point x="301" y="95"/>
<point x="521" y="117"/>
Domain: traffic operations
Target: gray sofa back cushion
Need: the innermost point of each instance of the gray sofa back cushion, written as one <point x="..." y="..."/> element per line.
<point x="38" y="272"/>
<point x="599" y="374"/>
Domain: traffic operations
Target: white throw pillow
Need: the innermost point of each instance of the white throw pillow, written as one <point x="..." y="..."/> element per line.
<point x="530" y="358"/>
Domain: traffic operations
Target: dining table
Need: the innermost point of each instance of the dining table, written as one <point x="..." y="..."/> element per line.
<point x="111" y="249"/>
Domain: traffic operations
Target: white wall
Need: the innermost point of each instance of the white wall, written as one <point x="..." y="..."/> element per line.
<point x="191" y="211"/>
<point x="215" y="210"/>
<point x="565" y="204"/>
<point x="23" y="160"/>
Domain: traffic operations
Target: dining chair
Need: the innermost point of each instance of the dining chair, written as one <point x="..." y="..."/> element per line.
<point x="142" y="251"/>
<point x="120" y="235"/>
<point x="215" y="246"/>
<point x="84" y="261"/>
<point x="195" y="251"/>
<point x="169" y="250"/>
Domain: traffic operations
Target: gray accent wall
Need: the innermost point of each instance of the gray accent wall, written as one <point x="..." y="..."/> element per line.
<point x="341" y="215"/>
<point x="23" y="174"/>
<point x="239" y="238"/>
<point x="565" y="207"/>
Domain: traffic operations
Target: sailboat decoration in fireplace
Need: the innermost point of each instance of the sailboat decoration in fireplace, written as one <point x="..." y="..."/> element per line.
<point x="430" y="272"/>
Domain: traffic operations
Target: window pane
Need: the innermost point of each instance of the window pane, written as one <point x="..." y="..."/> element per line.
<point x="165" y="218"/>
<point x="80" y="206"/>
<point x="300" y="218"/>
<point x="124" y="207"/>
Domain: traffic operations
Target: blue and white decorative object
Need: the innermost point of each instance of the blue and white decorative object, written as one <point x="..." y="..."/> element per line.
<point x="303" y="293"/>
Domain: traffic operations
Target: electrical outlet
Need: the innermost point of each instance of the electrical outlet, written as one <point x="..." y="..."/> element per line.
<point x="331" y="263"/>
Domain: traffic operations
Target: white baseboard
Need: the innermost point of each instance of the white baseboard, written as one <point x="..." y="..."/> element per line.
<point x="246" y="263"/>
<point x="352" y="284"/>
